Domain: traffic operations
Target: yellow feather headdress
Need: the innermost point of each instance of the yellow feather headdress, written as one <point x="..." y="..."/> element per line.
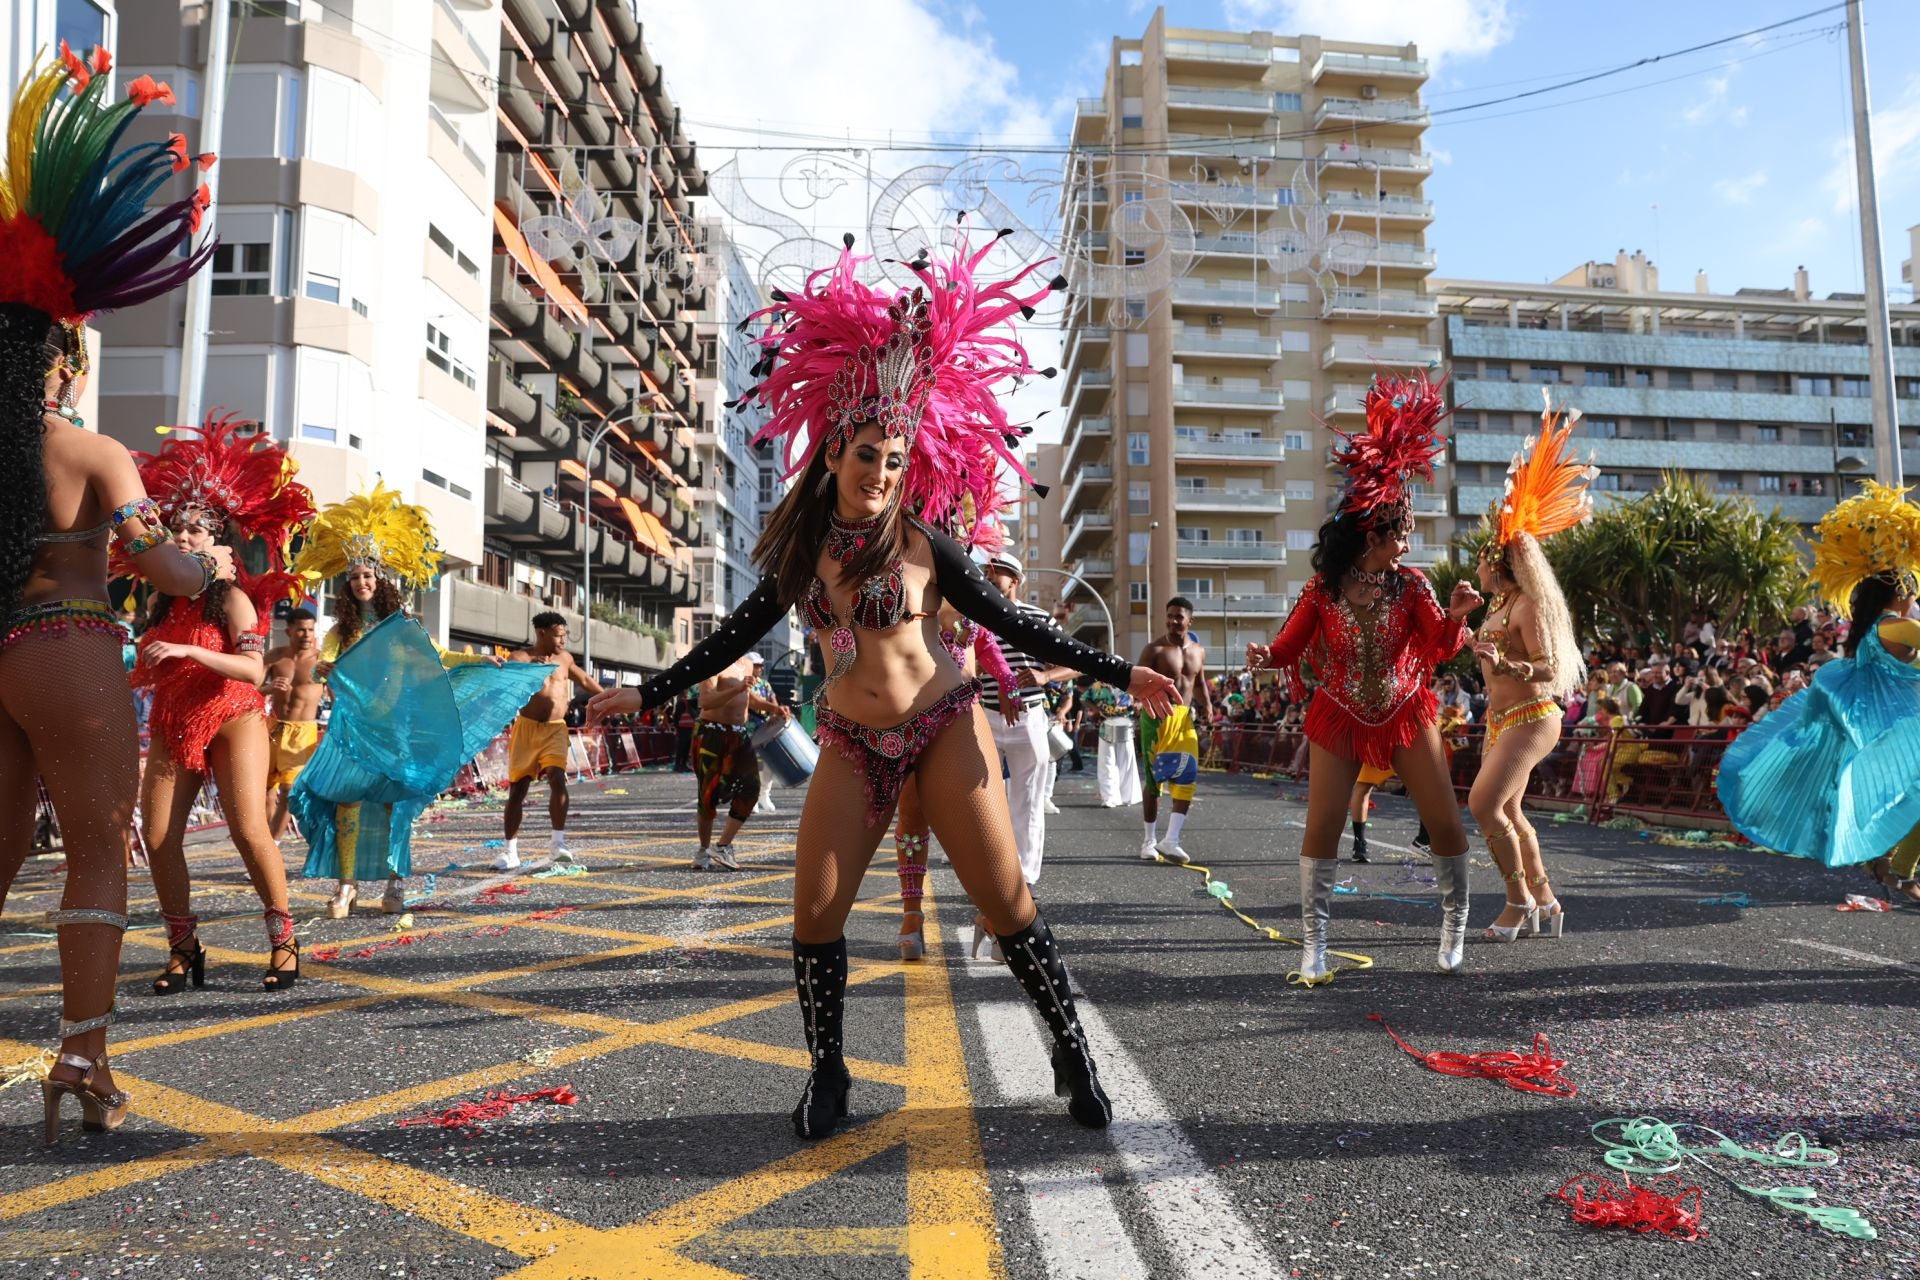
<point x="1547" y="489"/>
<point x="378" y="530"/>
<point x="1875" y="533"/>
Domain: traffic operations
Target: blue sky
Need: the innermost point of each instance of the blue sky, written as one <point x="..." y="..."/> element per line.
<point x="1741" y="148"/>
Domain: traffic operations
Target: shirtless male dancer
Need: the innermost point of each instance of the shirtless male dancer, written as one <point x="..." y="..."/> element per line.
<point x="1181" y="658"/>
<point x="724" y="764"/>
<point x="538" y="745"/>
<point x="293" y="703"/>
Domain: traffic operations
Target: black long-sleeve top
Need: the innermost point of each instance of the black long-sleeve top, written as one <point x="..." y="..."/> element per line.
<point x="960" y="582"/>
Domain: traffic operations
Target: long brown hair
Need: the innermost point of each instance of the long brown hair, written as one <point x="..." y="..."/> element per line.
<point x="348" y="616"/>
<point x="789" y="547"/>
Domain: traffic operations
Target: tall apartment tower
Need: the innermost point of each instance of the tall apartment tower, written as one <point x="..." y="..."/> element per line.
<point x="1245" y="223"/>
<point x="349" y="311"/>
<point x="592" y="409"/>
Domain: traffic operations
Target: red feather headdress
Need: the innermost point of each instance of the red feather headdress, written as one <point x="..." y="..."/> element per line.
<point x="1398" y="444"/>
<point x="925" y="364"/>
<point x="235" y="478"/>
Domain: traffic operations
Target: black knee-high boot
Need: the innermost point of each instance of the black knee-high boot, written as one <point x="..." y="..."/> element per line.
<point x="1035" y="960"/>
<point x="820" y="979"/>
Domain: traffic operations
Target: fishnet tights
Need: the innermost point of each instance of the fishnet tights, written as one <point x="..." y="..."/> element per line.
<point x="1495" y="805"/>
<point x="964" y="804"/>
<point x="66" y="715"/>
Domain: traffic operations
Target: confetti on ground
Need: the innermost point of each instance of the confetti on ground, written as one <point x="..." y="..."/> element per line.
<point x="1535" y="1072"/>
<point x="551" y="913"/>
<point x="1860" y="902"/>
<point x="34" y="1068"/>
<point x="495" y="1106"/>
<point x="491" y="896"/>
<point x="1637" y="1207"/>
<point x="327" y="955"/>
<point x="560" y="869"/>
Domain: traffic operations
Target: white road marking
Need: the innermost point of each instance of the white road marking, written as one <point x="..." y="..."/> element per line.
<point x="1192" y="1214"/>
<point x="1866" y="956"/>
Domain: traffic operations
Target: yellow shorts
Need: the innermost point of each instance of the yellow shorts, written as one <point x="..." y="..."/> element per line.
<point x="290" y="744"/>
<point x="1373" y="777"/>
<point x="535" y="747"/>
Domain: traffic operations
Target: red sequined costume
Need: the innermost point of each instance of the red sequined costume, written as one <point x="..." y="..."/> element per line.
<point x="190" y="703"/>
<point x="1374" y="695"/>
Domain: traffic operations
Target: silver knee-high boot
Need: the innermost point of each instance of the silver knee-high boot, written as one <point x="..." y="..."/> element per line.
<point x="1316" y="910"/>
<point x="1452" y="876"/>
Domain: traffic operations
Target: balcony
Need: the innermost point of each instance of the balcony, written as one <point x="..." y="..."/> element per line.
<point x="1431" y="505"/>
<point x="1260" y="399"/>
<point x="1362" y="354"/>
<point x="1379" y="304"/>
<point x="1198" y="551"/>
<point x="1379" y="208"/>
<point x="1400" y="257"/>
<point x="1223" y="146"/>
<point x="1084" y="616"/>
<point x="1086" y="478"/>
<point x="1081" y="339"/>
<point x="1093" y="568"/>
<point x="1197" y="447"/>
<point x="1235" y="605"/>
<point x="1230" y="195"/>
<point x="1188" y="498"/>
<point x="1095" y="381"/>
<point x="1217" y="53"/>
<point x="1345" y="400"/>
<point x="1368" y="66"/>
<point x="1226" y="344"/>
<point x="1219" y="101"/>
<point x="1089" y="523"/>
<point x="1237" y="294"/>
<point x="1424" y="557"/>
<point x="1232" y="245"/>
<point x="1088" y="439"/>
<point x="1345" y="155"/>
<point x="1375" y="113"/>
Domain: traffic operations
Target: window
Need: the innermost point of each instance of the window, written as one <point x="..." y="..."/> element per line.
<point x="1822" y="386"/>
<point x="1726" y="431"/>
<point x="1813" y="436"/>
<point x="1607" y="482"/>
<point x="1133" y="122"/>
<point x="81" y="23"/>
<point x="1295" y="440"/>
<point x="1301" y="340"/>
<point x="495" y="569"/>
<point x="1299" y="539"/>
<point x="325" y="255"/>
<point x="1300" y="491"/>
<point x="1601" y="428"/>
<point x="440" y="355"/>
<point x="1139" y="498"/>
<point x="1856" y="388"/>
<point x="1602" y="378"/>
<point x="1466" y="422"/>
<point x="1545" y="373"/>
<point x="1680" y="431"/>
<point x="1137" y="448"/>
<point x="283" y="278"/>
<point x="1642" y="377"/>
<point x="1191" y="533"/>
<point x="1286" y="102"/>
<point x="1192" y="435"/>
<point x="1136" y="548"/>
<point x="1496" y="372"/>
<point x="1137" y="592"/>
<point x="1725" y="380"/>
<point x="1642" y="429"/>
<point x="1768" y="484"/>
<point x="1193" y="586"/>
<point x="1245" y="537"/>
<point x="1128" y="197"/>
<point x="1134" y="258"/>
<point x="1767" y="433"/>
<point x="1189" y="484"/>
<point x="443" y="242"/>
<point x="1727" y="482"/>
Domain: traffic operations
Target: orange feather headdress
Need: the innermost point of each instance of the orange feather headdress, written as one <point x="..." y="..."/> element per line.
<point x="1547" y="488"/>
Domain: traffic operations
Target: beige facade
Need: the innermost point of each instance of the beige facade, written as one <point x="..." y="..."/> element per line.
<point x="1269" y="192"/>
<point x="1760" y="392"/>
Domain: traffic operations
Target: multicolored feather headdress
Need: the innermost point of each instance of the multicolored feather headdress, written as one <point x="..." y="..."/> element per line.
<point x="375" y="530"/>
<point x="1398" y="445"/>
<point x="230" y="477"/>
<point x="76" y="235"/>
<point x="1547" y="490"/>
<point x="926" y="365"/>
<point x="1874" y="534"/>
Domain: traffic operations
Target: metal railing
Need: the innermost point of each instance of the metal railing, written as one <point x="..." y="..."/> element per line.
<point x="1400" y="159"/>
<point x="1258" y="397"/>
<point x="1216" y="51"/>
<point x="1213" y="446"/>
<point x="1197" y="551"/>
<point x="1383" y="206"/>
<point x="1225" y="99"/>
<point x="1212" y="496"/>
<point x="1188" y="338"/>
<point x="1382" y="110"/>
<point x="1368" y="64"/>
<point x="1374" y="302"/>
<point x="1360" y="351"/>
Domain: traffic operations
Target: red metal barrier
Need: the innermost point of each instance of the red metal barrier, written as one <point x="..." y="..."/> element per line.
<point x="1667" y="776"/>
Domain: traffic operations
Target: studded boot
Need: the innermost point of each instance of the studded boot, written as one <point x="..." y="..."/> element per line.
<point x="820" y="979"/>
<point x="1036" y="962"/>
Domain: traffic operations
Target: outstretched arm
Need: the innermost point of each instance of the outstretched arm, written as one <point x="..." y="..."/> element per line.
<point x="578" y="674"/>
<point x="743" y="628"/>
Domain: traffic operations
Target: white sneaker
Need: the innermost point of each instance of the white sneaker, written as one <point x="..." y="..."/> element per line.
<point x="723" y="857"/>
<point x="507" y="860"/>
<point x="1051" y="808"/>
<point x="703" y="860"/>
<point x="1148" y="853"/>
<point x="1172" y="853"/>
<point x="563" y="856"/>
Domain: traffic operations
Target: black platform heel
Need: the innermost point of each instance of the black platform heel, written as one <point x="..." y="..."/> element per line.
<point x="820" y="980"/>
<point x="182" y="930"/>
<point x="280" y="938"/>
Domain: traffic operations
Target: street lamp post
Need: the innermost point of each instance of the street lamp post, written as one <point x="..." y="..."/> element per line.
<point x="586" y="556"/>
<point x="1113" y="636"/>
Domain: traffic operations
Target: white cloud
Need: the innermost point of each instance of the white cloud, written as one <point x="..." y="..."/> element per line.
<point x="1441" y="156"/>
<point x="1442" y="28"/>
<point x="1713" y="107"/>
<point x="1740" y="190"/>
<point x="1798" y="236"/>
<point x="1896" y="152"/>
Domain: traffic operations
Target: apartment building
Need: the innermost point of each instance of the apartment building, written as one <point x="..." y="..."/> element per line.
<point x="349" y="309"/>
<point x="1762" y="392"/>
<point x="592" y="412"/>
<point x="742" y="482"/>
<point x="1245" y="220"/>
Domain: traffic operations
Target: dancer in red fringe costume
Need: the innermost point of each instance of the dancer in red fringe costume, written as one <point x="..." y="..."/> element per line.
<point x="1373" y="632"/>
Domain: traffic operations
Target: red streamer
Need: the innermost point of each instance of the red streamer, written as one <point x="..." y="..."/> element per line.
<point x="326" y="955"/>
<point x="1535" y="1072"/>
<point x="494" y="1106"/>
<point x="551" y="913"/>
<point x="492" y="896"/>
<point x="1672" y="1211"/>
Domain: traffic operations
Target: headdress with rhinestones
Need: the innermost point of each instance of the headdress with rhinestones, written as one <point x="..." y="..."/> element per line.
<point x="375" y="530"/>
<point x="1398" y="445"/>
<point x="926" y="364"/>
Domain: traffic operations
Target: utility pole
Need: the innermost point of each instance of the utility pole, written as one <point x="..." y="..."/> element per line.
<point x="1886" y="417"/>
<point x="193" y="345"/>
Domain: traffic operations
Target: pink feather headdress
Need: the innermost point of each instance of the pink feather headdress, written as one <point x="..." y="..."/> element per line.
<point x="1398" y="444"/>
<point x="924" y="364"/>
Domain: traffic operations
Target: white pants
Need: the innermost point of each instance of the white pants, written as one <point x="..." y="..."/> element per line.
<point x="1118" y="770"/>
<point x="1024" y="744"/>
<point x="1053" y="776"/>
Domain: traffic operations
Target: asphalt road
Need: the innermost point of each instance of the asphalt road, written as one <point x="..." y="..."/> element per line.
<point x="1261" y="1129"/>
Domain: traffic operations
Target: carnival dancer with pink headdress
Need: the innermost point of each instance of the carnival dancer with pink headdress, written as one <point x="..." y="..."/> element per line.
<point x="883" y="399"/>
<point x="1372" y="631"/>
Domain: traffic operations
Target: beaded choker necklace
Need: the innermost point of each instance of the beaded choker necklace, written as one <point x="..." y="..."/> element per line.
<point x="845" y="538"/>
<point x="1376" y="583"/>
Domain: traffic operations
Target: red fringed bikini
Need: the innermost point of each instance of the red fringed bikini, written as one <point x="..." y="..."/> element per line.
<point x="190" y="703"/>
<point x="1373" y="697"/>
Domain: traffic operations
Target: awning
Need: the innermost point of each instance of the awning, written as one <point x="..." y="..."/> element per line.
<point x="647" y="530"/>
<point x="539" y="268"/>
<point x="600" y="487"/>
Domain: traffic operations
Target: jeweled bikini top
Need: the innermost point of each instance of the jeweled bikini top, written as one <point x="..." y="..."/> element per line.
<point x="879" y="605"/>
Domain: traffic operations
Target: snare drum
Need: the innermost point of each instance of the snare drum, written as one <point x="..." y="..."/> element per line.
<point x="786" y="749"/>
